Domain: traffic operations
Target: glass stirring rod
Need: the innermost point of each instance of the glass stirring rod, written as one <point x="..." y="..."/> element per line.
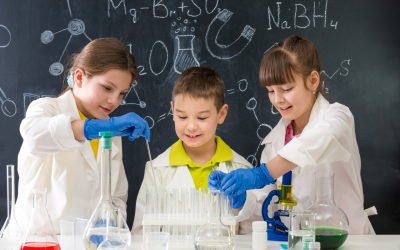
<point x="151" y="161"/>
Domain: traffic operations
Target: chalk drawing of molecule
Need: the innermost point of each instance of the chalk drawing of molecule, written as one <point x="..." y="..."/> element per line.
<point x="140" y="103"/>
<point x="75" y="27"/>
<point x="262" y="130"/>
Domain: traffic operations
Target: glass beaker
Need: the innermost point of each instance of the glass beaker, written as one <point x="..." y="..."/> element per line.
<point x="331" y="223"/>
<point x="301" y="224"/>
<point x="40" y="232"/>
<point x="97" y="222"/>
<point x="214" y="235"/>
<point x="11" y="228"/>
<point x="157" y="241"/>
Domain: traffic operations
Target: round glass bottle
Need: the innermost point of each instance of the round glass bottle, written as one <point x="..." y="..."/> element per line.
<point x="331" y="223"/>
<point x="214" y="235"/>
<point x="97" y="230"/>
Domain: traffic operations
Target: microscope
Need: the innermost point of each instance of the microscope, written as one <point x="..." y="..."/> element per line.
<point x="277" y="231"/>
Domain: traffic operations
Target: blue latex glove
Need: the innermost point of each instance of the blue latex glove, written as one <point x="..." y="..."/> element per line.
<point x="240" y="180"/>
<point x="213" y="179"/>
<point x="130" y="125"/>
<point x="239" y="200"/>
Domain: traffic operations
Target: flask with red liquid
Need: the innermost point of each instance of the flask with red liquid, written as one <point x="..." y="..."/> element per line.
<point x="40" y="234"/>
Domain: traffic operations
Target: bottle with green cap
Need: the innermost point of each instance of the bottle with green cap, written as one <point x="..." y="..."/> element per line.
<point x="96" y="229"/>
<point x="106" y="139"/>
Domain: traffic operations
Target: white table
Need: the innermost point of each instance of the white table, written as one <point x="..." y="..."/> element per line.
<point x="353" y="242"/>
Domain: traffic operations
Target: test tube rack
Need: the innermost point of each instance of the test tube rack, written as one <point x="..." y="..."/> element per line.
<point x="181" y="212"/>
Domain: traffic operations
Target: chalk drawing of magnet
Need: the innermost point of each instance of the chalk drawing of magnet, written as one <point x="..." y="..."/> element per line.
<point x="222" y="51"/>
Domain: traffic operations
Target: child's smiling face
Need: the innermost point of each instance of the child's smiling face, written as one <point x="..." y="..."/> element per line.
<point x="100" y="95"/>
<point x="294" y="100"/>
<point x="196" y="119"/>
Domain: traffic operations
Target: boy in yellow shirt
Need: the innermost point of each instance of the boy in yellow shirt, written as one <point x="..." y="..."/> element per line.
<point x="198" y="106"/>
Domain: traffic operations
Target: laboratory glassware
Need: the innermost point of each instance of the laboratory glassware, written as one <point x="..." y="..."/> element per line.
<point x="97" y="222"/>
<point x="301" y="225"/>
<point x="214" y="235"/>
<point x="11" y="228"/>
<point x="40" y="232"/>
<point x="72" y="233"/>
<point x="331" y="223"/>
<point x="157" y="241"/>
<point x="111" y="237"/>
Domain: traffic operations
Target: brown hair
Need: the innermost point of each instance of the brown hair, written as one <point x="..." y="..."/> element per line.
<point x="296" y="54"/>
<point x="101" y="55"/>
<point x="201" y="82"/>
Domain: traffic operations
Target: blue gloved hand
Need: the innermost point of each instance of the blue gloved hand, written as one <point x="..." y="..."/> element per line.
<point x="239" y="200"/>
<point x="130" y="125"/>
<point x="214" y="179"/>
<point x="240" y="180"/>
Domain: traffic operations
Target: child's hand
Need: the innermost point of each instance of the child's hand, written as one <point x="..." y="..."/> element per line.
<point x="214" y="179"/>
<point x="240" y="180"/>
<point x="130" y="125"/>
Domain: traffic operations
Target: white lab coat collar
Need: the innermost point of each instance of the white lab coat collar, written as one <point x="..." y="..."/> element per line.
<point x="67" y="104"/>
<point x="277" y="135"/>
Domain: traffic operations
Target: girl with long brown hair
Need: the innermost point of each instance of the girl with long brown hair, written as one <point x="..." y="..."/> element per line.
<point x="61" y="135"/>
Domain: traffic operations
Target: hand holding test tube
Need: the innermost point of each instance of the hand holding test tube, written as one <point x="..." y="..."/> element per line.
<point x="215" y="178"/>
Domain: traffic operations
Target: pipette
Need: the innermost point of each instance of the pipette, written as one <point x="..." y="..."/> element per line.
<point x="151" y="161"/>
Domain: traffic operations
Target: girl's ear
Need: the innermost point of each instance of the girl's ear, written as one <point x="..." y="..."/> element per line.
<point x="314" y="81"/>
<point x="78" y="77"/>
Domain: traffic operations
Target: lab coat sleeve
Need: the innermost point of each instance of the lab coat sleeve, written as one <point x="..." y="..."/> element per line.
<point x="120" y="196"/>
<point x="148" y="183"/>
<point x="45" y="131"/>
<point x="329" y="141"/>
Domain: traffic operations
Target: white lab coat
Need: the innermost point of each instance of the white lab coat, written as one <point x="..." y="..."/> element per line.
<point x="327" y="144"/>
<point x="175" y="177"/>
<point x="51" y="158"/>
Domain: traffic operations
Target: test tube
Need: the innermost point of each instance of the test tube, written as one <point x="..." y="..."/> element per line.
<point x="193" y="203"/>
<point x="149" y="205"/>
<point x="166" y="209"/>
<point x="199" y="204"/>
<point x="11" y="227"/>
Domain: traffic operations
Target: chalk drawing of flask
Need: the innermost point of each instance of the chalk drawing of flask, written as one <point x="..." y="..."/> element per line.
<point x="185" y="57"/>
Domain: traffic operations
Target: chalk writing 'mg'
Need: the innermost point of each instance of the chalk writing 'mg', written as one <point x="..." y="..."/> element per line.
<point x="300" y="20"/>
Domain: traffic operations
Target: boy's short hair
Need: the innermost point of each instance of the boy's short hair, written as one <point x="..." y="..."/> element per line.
<point x="201" y="82"/>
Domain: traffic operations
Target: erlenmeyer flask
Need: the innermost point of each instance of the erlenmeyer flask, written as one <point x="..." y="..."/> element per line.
<point x="214" y="235"/>
<point x="331" y="223"/>
<point x="112" y="239"/>
<point x="11" y="228"/>
<point x="96" y="228"/>
<point x="40" y="233"/>
<point x="185" y="57"/>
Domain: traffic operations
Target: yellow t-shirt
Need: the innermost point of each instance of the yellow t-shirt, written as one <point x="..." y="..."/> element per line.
<point x="94" y="143"/>
<point x="178" y="157"/>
